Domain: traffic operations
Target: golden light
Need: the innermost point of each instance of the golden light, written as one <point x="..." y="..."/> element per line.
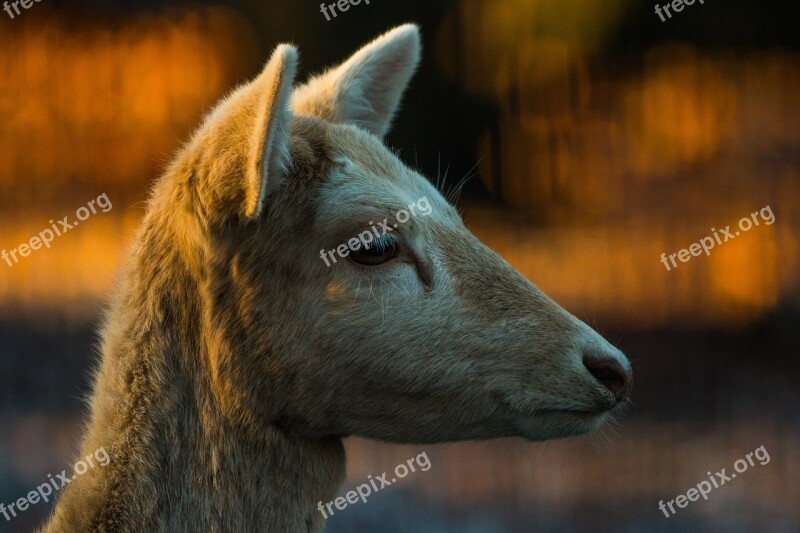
<point x="606" y="173"/>
<point x="107" y="106"/>
<point x="100" y="110"/>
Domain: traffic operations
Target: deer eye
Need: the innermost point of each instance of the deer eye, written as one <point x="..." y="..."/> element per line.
<point x="377" y="252"/>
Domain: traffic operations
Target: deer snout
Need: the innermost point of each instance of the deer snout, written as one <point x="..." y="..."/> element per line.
<point x="612" y="370"/>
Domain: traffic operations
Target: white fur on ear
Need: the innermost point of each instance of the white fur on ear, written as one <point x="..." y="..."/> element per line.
<point x="367" y="88"/>
<point x="269" y="142"/>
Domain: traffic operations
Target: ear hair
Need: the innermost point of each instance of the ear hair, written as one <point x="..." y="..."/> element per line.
<point x="366" y="89"/>
<point x="268" y="157"/>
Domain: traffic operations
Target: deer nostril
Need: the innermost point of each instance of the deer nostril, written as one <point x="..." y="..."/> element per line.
<point x="611" y="374"/>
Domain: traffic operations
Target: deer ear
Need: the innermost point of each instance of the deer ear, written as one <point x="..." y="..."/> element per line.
<point x="366" y="89"/>
<point x="268" y="151"/>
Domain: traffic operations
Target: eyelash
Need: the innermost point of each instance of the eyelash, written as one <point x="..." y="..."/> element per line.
<point x="383" y="243"/>
<point x="377" y="252"/>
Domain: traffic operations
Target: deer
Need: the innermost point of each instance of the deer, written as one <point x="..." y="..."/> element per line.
<point x="234" y="361"/>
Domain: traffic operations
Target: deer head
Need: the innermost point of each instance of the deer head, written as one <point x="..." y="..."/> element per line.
<point x="422" y="334"/>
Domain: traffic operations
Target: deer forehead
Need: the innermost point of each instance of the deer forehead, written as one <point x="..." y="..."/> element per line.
<point x="367" y="179"/>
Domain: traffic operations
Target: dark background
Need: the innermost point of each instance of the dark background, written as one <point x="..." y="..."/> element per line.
<point x="600" y="137"/>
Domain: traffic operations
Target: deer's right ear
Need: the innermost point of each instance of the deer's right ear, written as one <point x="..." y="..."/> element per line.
<point x="242" y="149"/>
<point x="268" y="149"/>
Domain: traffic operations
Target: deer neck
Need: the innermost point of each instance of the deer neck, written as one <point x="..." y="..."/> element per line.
<point x="177" y="462"/>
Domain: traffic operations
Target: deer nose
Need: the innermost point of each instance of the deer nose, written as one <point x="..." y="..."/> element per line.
<point x="614" y="374"/>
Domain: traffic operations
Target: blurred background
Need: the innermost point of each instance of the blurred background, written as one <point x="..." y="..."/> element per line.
<point x="600" y="137"/>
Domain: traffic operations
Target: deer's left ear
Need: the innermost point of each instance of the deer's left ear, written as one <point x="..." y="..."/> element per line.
<point x="268" y="148"/>
<point x="366" y="89"/>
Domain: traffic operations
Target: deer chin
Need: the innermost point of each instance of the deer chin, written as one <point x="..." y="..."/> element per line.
<point x="544" y="424"/>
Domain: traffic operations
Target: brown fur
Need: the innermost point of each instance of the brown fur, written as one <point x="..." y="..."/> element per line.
<point x="234" y="360"/>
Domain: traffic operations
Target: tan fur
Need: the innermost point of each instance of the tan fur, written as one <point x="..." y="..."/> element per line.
<point x="235" y="360"/>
